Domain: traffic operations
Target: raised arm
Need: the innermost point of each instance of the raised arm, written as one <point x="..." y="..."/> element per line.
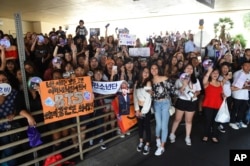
<point x="3" y="60"/>
<point x="206" y="77"/>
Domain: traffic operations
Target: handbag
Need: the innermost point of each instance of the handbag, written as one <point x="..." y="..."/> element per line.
<point x="171" y="110"/>
<point x="223" y="115"/>
<point x="34" y="136"/>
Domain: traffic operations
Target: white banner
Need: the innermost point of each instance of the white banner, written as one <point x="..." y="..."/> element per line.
<point x="106" y="88"/>
<point x="127" y="39"/>
<point x="143" y="52"/>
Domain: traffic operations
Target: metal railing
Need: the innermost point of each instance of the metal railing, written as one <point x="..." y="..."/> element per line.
<point x="81" y="149"/>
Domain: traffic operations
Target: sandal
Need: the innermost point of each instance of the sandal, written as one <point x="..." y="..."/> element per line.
<point x="205" y="139"/>
<point x="215" y="140"/>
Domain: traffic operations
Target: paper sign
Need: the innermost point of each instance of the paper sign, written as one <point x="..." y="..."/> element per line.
<point x="66" y="98"/>
<point x="5" y="89"/>
<point x="240" y="80"/>
<point x="127" y="39"/>
<point x="94" y="31"/>
<point x="142" y="52"/>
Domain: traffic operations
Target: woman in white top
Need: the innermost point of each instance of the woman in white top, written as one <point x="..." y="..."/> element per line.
<point x="186" y="104"/>
<point x="142" y="104"/>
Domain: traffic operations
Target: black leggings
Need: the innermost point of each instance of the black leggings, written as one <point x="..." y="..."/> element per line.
<point x="144" y="124"/>
<point x="239" y="110"/>
<point x="210" y="128"/>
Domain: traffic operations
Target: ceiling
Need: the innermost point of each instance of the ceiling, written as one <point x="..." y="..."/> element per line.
<point x="92" y="11"/>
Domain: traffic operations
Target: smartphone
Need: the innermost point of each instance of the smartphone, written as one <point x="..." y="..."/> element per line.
<point x="114" y="68"/>
<point x="230" y="75"/>
<point x="199" y="59"/>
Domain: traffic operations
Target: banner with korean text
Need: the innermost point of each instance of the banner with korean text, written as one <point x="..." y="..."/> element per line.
<point x="106" y="88"/>
<point x="66" y="98"/>
<point x="127" y="39"/>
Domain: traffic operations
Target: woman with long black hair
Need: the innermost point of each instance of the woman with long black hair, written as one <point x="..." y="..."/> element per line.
<point x="142" y="104"/>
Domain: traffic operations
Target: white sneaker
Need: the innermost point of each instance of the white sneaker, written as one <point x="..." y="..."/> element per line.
<point x="159" y="151"/>
<point x="118" y="132"/>
<point x="146" y="150"/>
<point x="139" y="147"/>
<point x="188" y="141"/>
<point x="172" y="138"/>
<point x="158" y="142"/>
<point x="234" y="126"/>
<point x="128" y="133"/>
<point x="242" y="125"/>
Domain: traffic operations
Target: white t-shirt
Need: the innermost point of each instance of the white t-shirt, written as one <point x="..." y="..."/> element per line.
<point x="189" y="90"/>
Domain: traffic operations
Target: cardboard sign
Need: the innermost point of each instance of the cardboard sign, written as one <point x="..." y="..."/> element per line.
<point x="125" y="122"/>
<point x="127" y="39"/>
<point x="142" y="52"/>
<point x="66" y="98"/>
<point x="94" y="31"/>
<point x="5" y="89"/>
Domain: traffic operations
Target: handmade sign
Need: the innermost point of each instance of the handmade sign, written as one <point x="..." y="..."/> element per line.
<point x="66" y="98"/>
<point x="94" y="31"/>
<point x="127" y="39"/>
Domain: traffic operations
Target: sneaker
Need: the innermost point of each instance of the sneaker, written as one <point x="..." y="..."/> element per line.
<point x="139" y="147"/>
<point x="221" y="128"/>
<point x="188" y="141"/>
<point x="172" y="138"/>
<point x="91" y="142"/>
<point x="128" y="133"/>
<point x="118" y="132"/>
<point x="234" y="126"/>
<point x="159" y="151"/>
<point x="103" y="147"/>
<point x="158" y="142"/>
<point x="242" y="125"/>
<point x="146" y="150"/>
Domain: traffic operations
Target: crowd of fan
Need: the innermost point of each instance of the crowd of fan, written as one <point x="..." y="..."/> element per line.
<point x="57" y="55"/>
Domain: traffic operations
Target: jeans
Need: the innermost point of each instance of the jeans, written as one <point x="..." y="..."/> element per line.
<point x="161" y="108"/>
<point x="8" y="151"/>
